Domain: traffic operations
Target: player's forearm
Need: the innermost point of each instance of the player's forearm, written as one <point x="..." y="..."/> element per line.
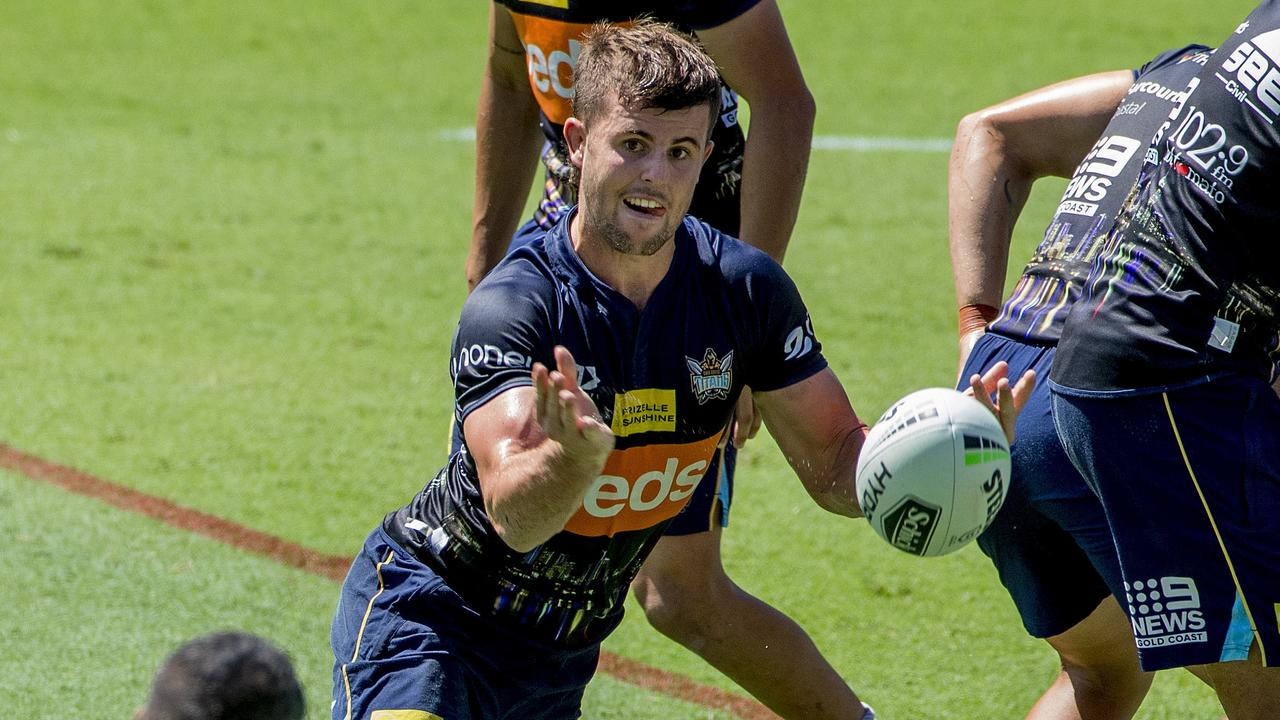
<point x="535" y="492"/>
<point x="507" y="142"/>
<point x="986" y="192"/>
<point x="828" y="476"/>
<point x="1000" y="152"/>
<point x="775" y="162"/>
<point x="820" y="436"/>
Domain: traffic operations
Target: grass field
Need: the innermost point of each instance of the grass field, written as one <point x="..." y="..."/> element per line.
<point x="232" y="237"/>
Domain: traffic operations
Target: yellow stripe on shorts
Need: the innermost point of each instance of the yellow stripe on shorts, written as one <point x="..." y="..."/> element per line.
<point x="1214" y="524"/>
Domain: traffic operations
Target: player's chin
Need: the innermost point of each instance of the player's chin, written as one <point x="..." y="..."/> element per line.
<point x="644" y="238"/>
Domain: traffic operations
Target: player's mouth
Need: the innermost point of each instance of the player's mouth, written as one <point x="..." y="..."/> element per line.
<point x="645" y="206"/>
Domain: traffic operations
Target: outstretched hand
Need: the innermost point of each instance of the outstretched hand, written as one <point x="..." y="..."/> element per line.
<point x="1009" y="399"/>
<point x="565" y="412"/>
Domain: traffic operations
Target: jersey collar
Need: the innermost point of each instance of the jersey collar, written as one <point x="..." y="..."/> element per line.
<point x="566" y="263"/>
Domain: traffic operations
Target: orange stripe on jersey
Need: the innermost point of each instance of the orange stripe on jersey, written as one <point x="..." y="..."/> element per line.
<point x="551" y="52"/>
<point x="642" y="486"/>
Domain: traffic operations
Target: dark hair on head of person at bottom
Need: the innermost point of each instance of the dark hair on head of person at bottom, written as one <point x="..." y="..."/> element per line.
<point x="225" y="676"/>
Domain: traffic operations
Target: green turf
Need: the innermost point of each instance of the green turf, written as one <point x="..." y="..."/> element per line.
<point x="96" y="598"/>
<point x="233" y="235"/>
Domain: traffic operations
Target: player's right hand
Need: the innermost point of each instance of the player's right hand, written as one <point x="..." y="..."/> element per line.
<point x="566" y="413"/>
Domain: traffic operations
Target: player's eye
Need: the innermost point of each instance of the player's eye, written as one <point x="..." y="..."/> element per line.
<point x="632" y="145"/>
<point x="681" y="153"/>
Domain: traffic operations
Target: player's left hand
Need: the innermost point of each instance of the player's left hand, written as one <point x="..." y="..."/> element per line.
<point x="746" y="419"/>
<point x="1009" y="399"/>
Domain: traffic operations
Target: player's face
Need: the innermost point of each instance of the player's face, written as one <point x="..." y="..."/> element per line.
<point x="637" y="171"/>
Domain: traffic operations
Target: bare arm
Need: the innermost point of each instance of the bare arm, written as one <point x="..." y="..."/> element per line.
<point x="821" y="436"/>
<point x="999" y="153"/>
<point x="756" y="59"/>
<point x="537" y="450"/>
<point x="507" y="143"/>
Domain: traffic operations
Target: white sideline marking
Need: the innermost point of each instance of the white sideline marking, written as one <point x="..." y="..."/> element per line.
<point x="845" y="143"/>
<point x="864" y="143"/>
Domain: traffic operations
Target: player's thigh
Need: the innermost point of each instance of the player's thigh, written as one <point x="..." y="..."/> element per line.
<point x="682" y="567"/>
<point x="1190" y="485"/>
<point x="1049" y="542"/>
<point x="1101" y="643"/>
<point x="384" y="660"/>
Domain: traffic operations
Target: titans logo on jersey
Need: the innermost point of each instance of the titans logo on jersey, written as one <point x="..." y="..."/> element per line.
<point x="1051" y="281"/>
<point x="1188" y="284"/>
<point x="666" y="380"/>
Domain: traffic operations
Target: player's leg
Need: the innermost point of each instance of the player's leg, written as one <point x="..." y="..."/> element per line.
<point x="1195" y="517"/>
<point x="404" y="640"/>
<point x="380" y="661"/>
<point x="1052" y="549"/>
<point x="1100" y="676"/>
<point x="1246" y="689"/>
<point x="687" y="596"/>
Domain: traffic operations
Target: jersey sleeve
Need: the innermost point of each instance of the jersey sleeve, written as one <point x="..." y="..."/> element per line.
<point x="786" y="350"/>
<point x="503" y="330"/>
<point x="1168" y="57"/>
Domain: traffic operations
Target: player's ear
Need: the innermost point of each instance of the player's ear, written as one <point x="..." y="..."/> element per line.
<point x="706" y="153"/>
<point x="575" y="137"/>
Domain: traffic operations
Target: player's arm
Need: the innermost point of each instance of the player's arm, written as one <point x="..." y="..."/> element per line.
<point x="507" y="141"/>
<point x="820" y="435"/>
<point x="537" y="450"/>
<point x="999" y="153"/>
<point x="756" y="59"/>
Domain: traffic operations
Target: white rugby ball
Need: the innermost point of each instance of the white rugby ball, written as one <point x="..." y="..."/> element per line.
<point x="933" y="472"/>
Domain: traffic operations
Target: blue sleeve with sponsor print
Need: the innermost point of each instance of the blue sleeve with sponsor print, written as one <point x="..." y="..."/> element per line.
<point x="786" y="350"/>
<point x="504" y="329"/>
<point x="1168" y="57"/>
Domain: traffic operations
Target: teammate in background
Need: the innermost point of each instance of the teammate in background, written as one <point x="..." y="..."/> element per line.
<point x="1050" y="542"/>
<point x="528" y="81"/>
<point x="225" y="676"/>
<point x="488" y="595"/>
<point x="1161" y="386"/>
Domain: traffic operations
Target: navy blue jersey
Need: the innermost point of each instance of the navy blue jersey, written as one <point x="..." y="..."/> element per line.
<point x="1187" y="286"/>
<point x="1051" y="281"/>
<point x="666" y="380"/>
<point x="550" y="32"/>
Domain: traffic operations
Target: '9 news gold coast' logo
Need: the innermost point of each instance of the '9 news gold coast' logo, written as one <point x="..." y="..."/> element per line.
<point x="712" y="377"/>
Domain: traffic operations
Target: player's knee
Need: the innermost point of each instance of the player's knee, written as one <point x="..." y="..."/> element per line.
<point x="682" y="611"/>
<point x="1110" y="676"/>
<point x="670" y="613"/>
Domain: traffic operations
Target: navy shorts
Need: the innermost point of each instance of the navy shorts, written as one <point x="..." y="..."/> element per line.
<point x="1050" y="542"/>
<point x="404" y="641"/>
<point x="708" y="507"/>
<point x="1190" y="480"/>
